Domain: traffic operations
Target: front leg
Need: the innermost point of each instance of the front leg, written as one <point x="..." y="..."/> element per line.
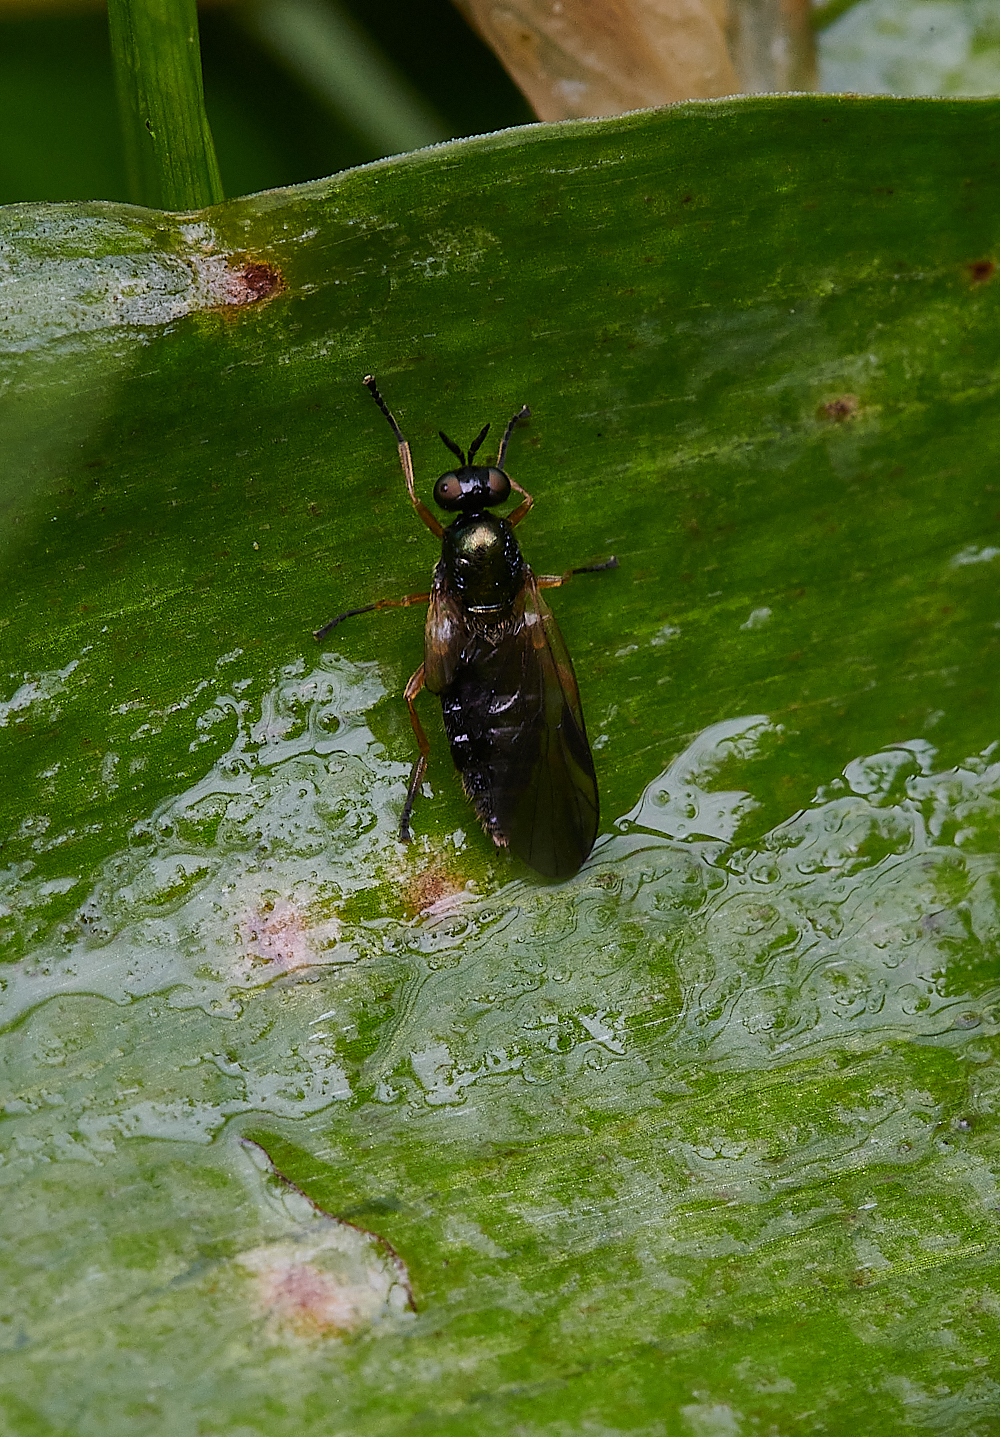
<point x="404" y="458"/>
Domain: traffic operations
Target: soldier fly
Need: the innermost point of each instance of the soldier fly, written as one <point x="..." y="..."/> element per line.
<point x="496" y="659"/>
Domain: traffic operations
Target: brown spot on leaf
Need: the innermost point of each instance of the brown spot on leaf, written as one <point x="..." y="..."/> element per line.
<point x="436" y="888"/>
<point x="981" y="270"/>
<point x="259" y="281"/>
<point x="243" y="282"/>
<point x="845" y="406"/>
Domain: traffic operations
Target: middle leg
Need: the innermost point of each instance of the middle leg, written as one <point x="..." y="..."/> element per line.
<point x="552" y="581"/>
<point x="403" y="603"/>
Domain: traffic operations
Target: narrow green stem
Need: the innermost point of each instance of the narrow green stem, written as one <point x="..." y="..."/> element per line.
<point x="169" y="149"/>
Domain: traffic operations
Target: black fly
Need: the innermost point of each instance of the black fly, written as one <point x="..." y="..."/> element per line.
<point x="496" y="659"/>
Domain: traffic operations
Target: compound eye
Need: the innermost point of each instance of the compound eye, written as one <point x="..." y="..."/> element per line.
<point x="447" y="491"/>
<point x="499" y="486"/>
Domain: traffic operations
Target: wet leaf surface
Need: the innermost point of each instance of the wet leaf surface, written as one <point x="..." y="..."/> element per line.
<point x="702" y="1141"/>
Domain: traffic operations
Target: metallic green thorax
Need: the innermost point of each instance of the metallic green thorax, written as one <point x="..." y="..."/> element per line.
<point x="483" y="562"/>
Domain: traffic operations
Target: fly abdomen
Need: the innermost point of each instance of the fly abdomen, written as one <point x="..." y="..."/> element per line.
<point x="493" y="739"/>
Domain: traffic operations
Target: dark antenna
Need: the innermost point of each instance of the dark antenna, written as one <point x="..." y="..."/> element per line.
<point x="523" y="413"/>
<point x="452" y="446"/>
<point x="372" y="387"/>
<point x="478" y="441"/>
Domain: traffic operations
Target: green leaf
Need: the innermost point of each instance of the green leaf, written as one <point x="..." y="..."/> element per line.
<point x="308" y="1132"/>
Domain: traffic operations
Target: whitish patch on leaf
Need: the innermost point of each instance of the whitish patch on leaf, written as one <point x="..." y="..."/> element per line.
<point x="712" y="1420"/>
<point x="279" y="932"/>
<point x="327" y="1278"/>
<point x="36" y="690"/>
<point x="758" y="618"/>
<point x="972" y="555"/>
<point x="325" y="1286"/>
<point x="455" y="252"/>
<point x="136" y="276"/>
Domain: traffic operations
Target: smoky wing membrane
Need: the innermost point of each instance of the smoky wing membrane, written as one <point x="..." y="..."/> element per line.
<point x="446" y="633"/>
<point x="514" y="722"/>
<point x="553" y="822"/>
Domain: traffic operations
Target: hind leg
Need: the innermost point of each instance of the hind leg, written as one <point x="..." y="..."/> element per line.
<point x="420" y="762"/>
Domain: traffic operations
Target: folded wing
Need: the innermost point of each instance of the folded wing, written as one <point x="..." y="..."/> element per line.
<point x="513" y="718"/>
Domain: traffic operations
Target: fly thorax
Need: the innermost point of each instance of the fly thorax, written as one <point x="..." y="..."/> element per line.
<point x="483" y="563"/>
